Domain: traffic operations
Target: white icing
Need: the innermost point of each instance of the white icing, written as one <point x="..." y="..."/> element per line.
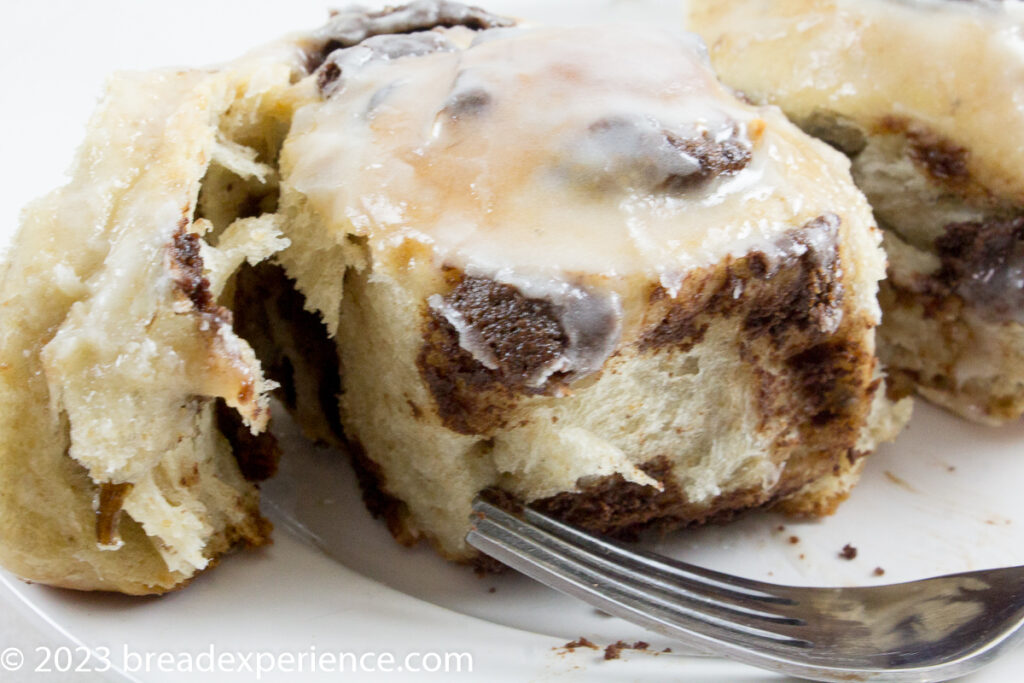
<point x="491" y="190"/>
<point x="955" y="66"/>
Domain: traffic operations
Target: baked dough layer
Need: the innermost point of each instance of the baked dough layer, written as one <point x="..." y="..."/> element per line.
<point x="639" y="305"/>
<point x="581" y="272"/>
<point x="922" y="96"/>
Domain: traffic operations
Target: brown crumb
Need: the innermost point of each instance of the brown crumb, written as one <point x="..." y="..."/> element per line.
<point x="614" y="651"/>
<point x="492" y="589"/>
<point x="950" y="468"/>
<point x="780" y="528"/>
<point x="802" y="556"/>
<point x="580" y="642"/>
<point x="794" y="539"/>
<point x="667" y="650"/>
<point x="878" y="571"/>
<point x="848" y="552"/>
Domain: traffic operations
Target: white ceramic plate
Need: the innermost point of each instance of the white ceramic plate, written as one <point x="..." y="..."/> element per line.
<point x="944" y="498"/>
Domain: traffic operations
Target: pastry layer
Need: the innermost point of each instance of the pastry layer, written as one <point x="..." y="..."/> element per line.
<point x="123" y="386"/>
<point x="922" y="97"/>
<point x="561" y="263"/>
<point x="579" y="271"/>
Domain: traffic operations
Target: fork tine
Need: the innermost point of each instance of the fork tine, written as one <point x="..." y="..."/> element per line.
<point x="606" y="594"/>
<point x="705" y="597"/>
<point x="542" y="556"/>
<point x="743" y="590"/>
<point x="694" y="601"/>
<point x="918" y="632"/>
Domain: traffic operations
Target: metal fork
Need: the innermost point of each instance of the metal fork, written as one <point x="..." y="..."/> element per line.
<point x="930" y="630"/>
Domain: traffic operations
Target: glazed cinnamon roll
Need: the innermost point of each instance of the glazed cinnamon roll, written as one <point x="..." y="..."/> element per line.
<point x="923" y="96"/>
<point x="562" y="264"/>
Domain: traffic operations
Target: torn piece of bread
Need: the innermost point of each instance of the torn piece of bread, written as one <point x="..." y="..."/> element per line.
<point x="114" y="472"/>
<point x="561" y="263"/>
<point x="923" y="97"/>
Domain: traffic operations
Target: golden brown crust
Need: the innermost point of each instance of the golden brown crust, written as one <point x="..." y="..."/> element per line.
<point x="812" y="506"/>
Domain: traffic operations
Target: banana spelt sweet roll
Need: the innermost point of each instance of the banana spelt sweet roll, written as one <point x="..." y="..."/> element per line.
<point x="924" y="97"/>
<point x="562" y="264"/>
